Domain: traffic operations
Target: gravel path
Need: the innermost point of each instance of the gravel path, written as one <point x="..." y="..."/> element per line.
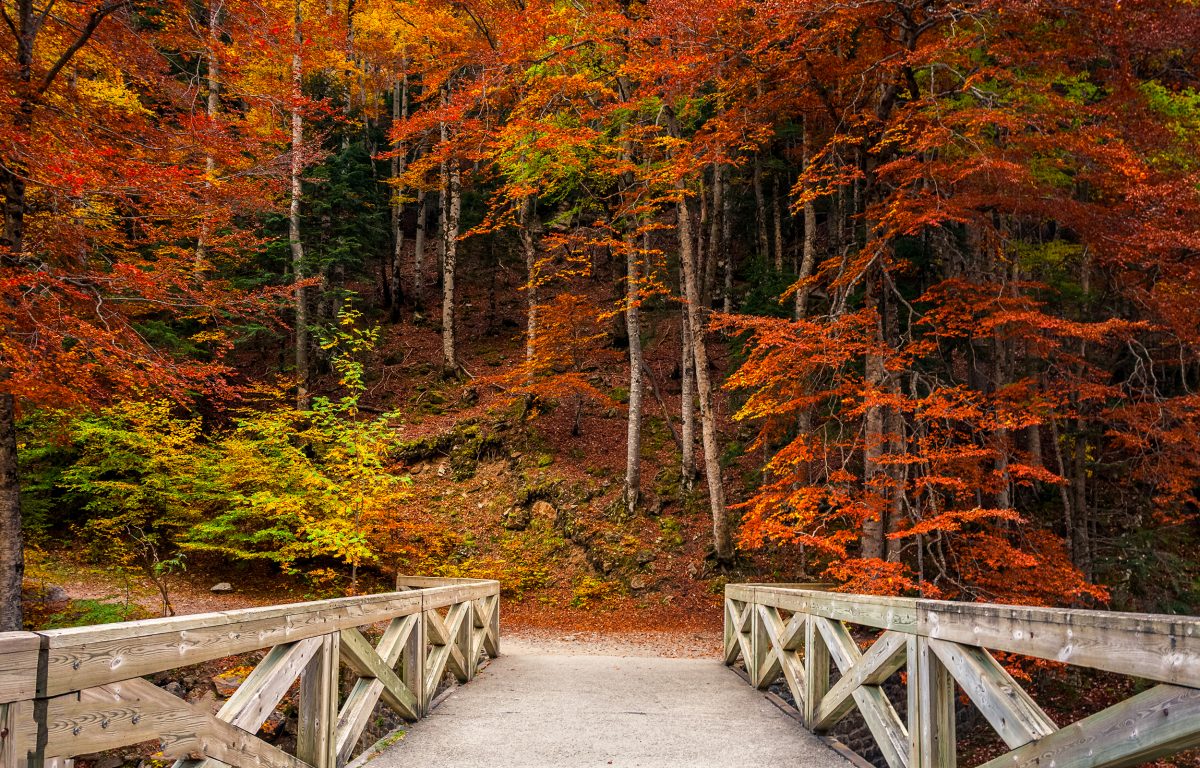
<point x="552" y="706"/>
<point x="672" y="645"/>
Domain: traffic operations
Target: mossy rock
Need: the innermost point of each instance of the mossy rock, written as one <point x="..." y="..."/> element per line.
<point x="540" y="489"/>
<point x="466" y="446"/>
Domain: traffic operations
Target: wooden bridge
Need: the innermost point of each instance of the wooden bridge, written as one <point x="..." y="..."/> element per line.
<point x="72" y="692"/>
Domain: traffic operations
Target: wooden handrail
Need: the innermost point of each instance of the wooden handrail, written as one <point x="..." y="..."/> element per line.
<point x="75" y="691"/>
<point x="799" y="633"/>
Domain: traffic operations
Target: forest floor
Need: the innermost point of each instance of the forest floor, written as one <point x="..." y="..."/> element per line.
<point x="619" y="629"/>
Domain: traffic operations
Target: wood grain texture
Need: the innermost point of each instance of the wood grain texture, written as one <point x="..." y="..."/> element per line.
<point x="317" y="721"/>
<point x="136" y="711"/>
<point x="880" y="662"/>
<point x="1156" y="723"/>
<point x="941" y="642"/>
<point x="91" y="696"/>
<point x="18" y="665"/>
<point x="1010" y="711"/>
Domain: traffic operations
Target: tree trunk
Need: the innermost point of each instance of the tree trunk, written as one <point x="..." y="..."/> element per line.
<point x="213" y="84"/>
<point x="12" y="177"/>
<point x="808" y="258"/>
<point x="418" y="288"/>
<point x="1082" y="534"/>
<point x="715" y="252"/>
<point x="778" y="212"/>
<point x="294" y="214"/>
<point x="13" y="174"/>
<point x="12" y="557"/>
<point x="760" y="211"/>
<point x="633" y="327"/>
<point x="727" y="253"/>
<point x="722" y="540"/>
<point x="873" y="527"/>
<point x="450" y="266"/>
<point x="399" y="161"/>
<point x="528" y="223"/>
<point x="687" y="396"/>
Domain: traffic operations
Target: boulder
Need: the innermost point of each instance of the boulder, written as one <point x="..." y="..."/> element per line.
<point x="516" y="519"/>
<point x="227" y="682"/>
<point x="273" y="725"/>
<point x="224" y="586"/>
<point x="544" y="509"/>
<point x="640" y="581"/>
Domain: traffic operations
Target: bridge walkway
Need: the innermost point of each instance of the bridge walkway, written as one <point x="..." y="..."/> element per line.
<point x="534" y="708"/>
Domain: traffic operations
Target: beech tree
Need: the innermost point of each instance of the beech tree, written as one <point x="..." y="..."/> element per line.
<point x="112" y="186"/>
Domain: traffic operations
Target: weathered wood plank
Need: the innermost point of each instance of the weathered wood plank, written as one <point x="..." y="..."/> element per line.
<point x="356" y="711"/>
<point x="1161" y="648"/>
<point x="412" y="663"/>
<point x="10" y="715"/>
<point x="255" y="699"/>
<point x="358" y="654"/>
<point x="816" y="671"/>
<point x="895" y="613"/>
<point x="875" y="666"/>
<point x="318" y="717"/>
<point x="931" y="708"/>
<point x="487" y="618"/>
<point x="136" y="711"/>
<point x="18" y="665"/>
<point x="891" y="735"/>
<point x="1150" y="725"/>
<point x="767" y="664"/>
<point x="444" y="632"/>
<point x="258" y="696"/>
<point x="1014" y="716"/>
<point x="784" y="639"/>
<point x="729" y="642"/>
<point x="85" y="659"/>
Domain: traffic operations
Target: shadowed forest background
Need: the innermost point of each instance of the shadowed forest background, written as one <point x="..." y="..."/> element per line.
<point x="612" y="302"/>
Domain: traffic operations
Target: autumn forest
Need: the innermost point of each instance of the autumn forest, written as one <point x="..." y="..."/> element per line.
<point x="612" y="301"/>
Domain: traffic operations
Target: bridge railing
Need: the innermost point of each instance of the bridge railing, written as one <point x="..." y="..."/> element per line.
<point x="77" y="691"/>
<point x="797" y="633"/>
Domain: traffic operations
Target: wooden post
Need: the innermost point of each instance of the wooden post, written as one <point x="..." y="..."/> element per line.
<point x="464" y="639"/>
<point x="412" y="664"/>
<point x="496" y="622"/>
<point x="930" y="708"/>
<point x="8" y="735"/>
<point x="316" y="739"/>
<point x="730" y="633"/>
<point x="816" y="671"/>
<point x="760" y="645"/>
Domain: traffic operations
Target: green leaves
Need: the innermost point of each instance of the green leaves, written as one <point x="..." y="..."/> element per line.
<point x="288" y="486"/>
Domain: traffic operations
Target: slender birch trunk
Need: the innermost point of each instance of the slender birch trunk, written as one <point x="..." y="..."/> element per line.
<point x="727" y="254"/>
<point x="760" y="211"/>
<point x="778" y="212"/>
<point x="722" y="540"/>
<point x="808" y="257"/>
<point x="213" y="84"/>
<point x="633" y="327"/>
<point x="715" y="253"/>
<point x="399" y="163"/>
<point x="687" y="399"/>
<point x="528" y="224"/>
<point x="294" y="213"/>
<point x="419" y="250"/>
<point x="451" y="208"/>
